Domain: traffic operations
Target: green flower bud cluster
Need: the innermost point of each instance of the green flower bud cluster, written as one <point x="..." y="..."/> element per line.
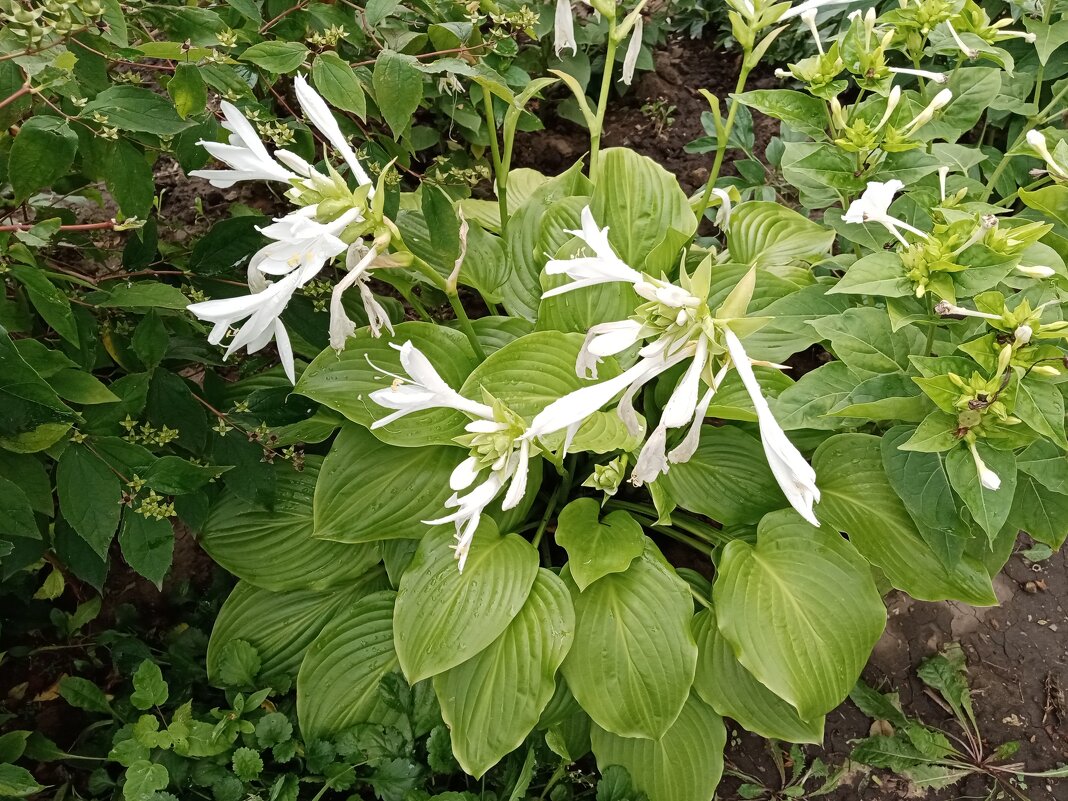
<point x="30" y="23"/>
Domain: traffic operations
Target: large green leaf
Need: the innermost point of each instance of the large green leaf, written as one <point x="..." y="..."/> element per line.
<point x="279" y="625"/>
<point x="522" y="290"/>
<point x="864" y="339"/>
<point x="802" y="112"/>
<point x="337" y="686"/>
<point x="42" y="152"/>
<point x="989" y="508"/>
<point x="648" y="216"/>
<point x="343" y="381"/>
<point x="856" y="497"/>
<point x="634" y="655"/>
<point x="597" y="547"/>
<point x="727" y="478"/>
<point x="765" y="234"/>
<point x="445" y="617"/>
<point x="732" y="691"/>
<point x="27" y="399"/>
<point x="1039" y="511"/>
<point x="398" y="85"/>
<point x="274" y="549"/>
<point x="920" y="481"/>
<point x="398" y="488"/>
<point x="90" y="496"/>
<point x="800" y="609"/>
<point x="685" y="764"/>
<point x="492" y="701"/>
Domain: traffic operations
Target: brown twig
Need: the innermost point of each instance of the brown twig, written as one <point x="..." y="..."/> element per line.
<point x="124" y="62"/>
<point x="100" y="226"/>
<point x="270" y="23"/>
<point x="25" y="90"/>
<point x="449" y="52"/>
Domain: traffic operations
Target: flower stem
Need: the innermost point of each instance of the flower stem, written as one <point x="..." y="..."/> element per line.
<point x="500" y="174"/>
<point x="465" y="325"/>
<point x="602" y="101"/>
<point x="721" y="145"/>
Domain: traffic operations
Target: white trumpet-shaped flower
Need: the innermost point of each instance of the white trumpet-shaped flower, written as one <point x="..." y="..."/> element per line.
<point x="794" y="475"/>
<point x="603" y="267"/>
<point x="495" y="438"/>
<point x="938" y="102"/>
<point x="891" y="103"/>
<point x="1038" y="142"/>
<point x="564" y="29"/>
<point x="420" y="388"/>
<point x="359" y="261"/>
<point x="970" y="52"/>
<point x="943" y="172"/>
<point x="808" y="16"/>
<point x="723" y="215"/>
<point x="301" y="248"/>
<point x="874" y="205"/>
<point x="987" y="477"/>
<point x="316" y="110"/>
<point x="937" y="77"/>
<point x="1036" y="271"/>
<point x="245" y="154"/>
<point x="634" y="49"/>
<point x="946" y="309"/>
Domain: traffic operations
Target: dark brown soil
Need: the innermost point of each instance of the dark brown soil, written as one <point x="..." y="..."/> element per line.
<point x="682" y="67"/>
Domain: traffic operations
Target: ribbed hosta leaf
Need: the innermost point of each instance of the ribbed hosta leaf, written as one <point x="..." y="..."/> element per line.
<point x="733" y="692"/>
<point x="444" y="617"/>
<point x="343" y="381"/>
<point x="727" y="479"/>
<point x="337" y="686"/>
<point x="280" y="625"/>
<point x="683" y="765"/>
<point x="857" y="498"/>
<point x="634" y="656"/>
<point x="274" y="549"/>
<point x="492" y="701"/>
<point x="766" y="234"/>
<point x="597" y="547"/>
<point x="800" y="610"/>
<point x="368" y="490"/>
<point x="537" y="369"/>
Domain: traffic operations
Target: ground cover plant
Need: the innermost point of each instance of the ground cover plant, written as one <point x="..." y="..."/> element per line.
<point x="463" y="445"/>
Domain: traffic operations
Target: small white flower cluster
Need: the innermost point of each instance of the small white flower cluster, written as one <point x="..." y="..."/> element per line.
<point x="304" y="240"/>
<point x="674" y="327"/>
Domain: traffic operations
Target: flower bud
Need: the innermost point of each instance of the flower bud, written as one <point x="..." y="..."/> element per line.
<point x="1036" y="271"/>
<point x="1023" y="334"/>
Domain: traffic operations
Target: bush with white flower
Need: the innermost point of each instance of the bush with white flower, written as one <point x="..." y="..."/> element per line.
<point x="531" y="406"/>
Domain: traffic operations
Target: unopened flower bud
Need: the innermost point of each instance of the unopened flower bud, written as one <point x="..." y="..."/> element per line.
<point x="1023" y="334"/>
<point x="1036" y="271"/>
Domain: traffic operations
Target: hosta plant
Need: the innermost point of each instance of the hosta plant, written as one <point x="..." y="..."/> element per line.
<point x="856" y="391"/>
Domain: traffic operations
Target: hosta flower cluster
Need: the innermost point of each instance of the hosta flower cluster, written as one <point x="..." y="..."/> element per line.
<point x="854" y="368"/>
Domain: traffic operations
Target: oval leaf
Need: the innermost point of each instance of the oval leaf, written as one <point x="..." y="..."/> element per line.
<point x="337" y="686"/>
<point x="683" y="765"/>
<point x="801" y="611"/>
<point x="274" y="549"/>
<point x="445" y="617"/>
<point x="634" y="656"/>
<point x="597" y="547"/>
<point x="493" y="701"/>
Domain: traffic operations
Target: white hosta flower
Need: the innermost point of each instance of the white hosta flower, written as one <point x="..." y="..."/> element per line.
<point x="316" y="110"/>
<point x="359" y="262"/>
<point x="603" y="267"/>
<point x="420" y="388"/>
<point x="937" y="77"/>
<point x="245" y="154"/>
<point x="262" y="310"/>
<point x="874" y="205"/>
<point x="634" y="49"/>
<point x="301" y="242"/>
<point x="606" y="339"/>
<point x="301" y="249"/>
<point x="794" y="475"/>
<point x="723" y="215"/>
<point x="564" y="29"/>
<point x="987" y="477"/>
<point x="1036" y="271"/>
<point x="939" y="101"/>
<point x="1038" y="142"/>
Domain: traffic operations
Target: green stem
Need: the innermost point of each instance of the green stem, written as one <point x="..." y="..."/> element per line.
<point x="550" y="507"/>
<point x="602" y="99"/>
<point x="685" y="539"/>
<point x="1039" y="118"/>
<point x="500" y="174"/>
<point x="465" y="326"/>
<point x="721" y="145"/>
